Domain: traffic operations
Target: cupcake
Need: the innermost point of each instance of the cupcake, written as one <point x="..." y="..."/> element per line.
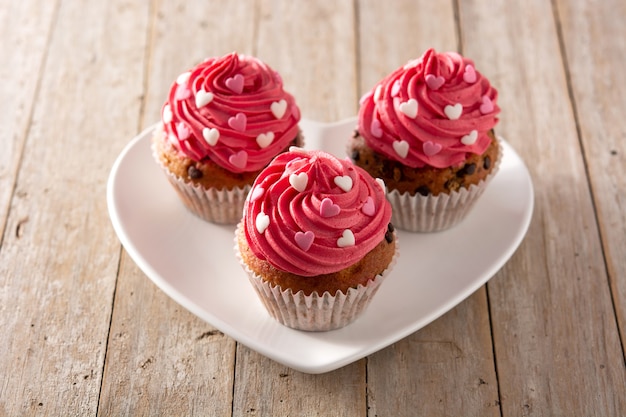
<point x="315" y="239"/>
<point x="223" y="122"/>
<point x="427" y="129"/>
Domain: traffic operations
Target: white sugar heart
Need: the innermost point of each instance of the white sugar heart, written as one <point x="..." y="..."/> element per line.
<point x="183" y="78"/>
<point x="453" y="112"/>
<point x="409" y="108"/>
<point x="262" y="222"/>
<point x="279" y="108"/>
<point x="299" y="181"/>
<point x="378" y="92"/>
<point x="401" y="147"/>
<point x="203" y="98"/>
<point x="381" y="183"/>
<point x="470" y="138"/>
<point x="343" y="182"/>
<point x="265" y="139"/>
<point x="346" y="239"/>
<point x="167" y="114"/>
<point x="211" y="135"/>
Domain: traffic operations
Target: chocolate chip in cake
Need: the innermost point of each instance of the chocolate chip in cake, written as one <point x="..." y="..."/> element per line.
<point x="423" y="190"/>
<point x="487" y="162"/>
<point x="355" y="134"/>
<point x="355" y="155"/>
<point x="469" y="169"/>
<point x="389" y="237"/>
<point x="390" y="228"/>
<point x="194" y="173"/>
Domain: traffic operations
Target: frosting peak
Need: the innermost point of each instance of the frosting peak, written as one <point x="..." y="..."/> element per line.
<point x="431" y="112"/>
<point x="310" y="213"/>
<point x="232" y="110"/>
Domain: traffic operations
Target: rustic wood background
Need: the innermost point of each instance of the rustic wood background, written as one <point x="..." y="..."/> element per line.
<point x="86" y="333"/>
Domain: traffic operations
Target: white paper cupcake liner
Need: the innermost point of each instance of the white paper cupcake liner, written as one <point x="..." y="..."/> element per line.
<point x="316" y="312"/>
<point x="211" y="204"/>
<point x="419" y="213"/>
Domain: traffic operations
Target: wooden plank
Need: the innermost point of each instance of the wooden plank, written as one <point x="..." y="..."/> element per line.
<point x="161" y="359"/>
<point x="553" y="356"/>
<point x="595" y="49"/>
<point x="57" y="272"/>
<point x="314" y="50"/>
<point x="24" y="29"/>
<point x="447" y="367"/>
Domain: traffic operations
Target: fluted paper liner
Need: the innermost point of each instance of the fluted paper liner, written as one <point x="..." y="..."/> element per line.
<point x="211" y="204"/>
<point x="316" y="312"/>
<point x="419" y="213"/>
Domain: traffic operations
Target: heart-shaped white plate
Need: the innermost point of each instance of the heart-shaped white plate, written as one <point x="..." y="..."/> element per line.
<point x="194" y="263"/>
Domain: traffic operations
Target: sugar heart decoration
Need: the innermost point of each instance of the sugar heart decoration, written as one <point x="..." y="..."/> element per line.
<point x="261" y="222"/>
<point x="344" y="182"/>
<point x="381" y="183"/>
<point x="203" y="98"/>
<point x="183" y="78"/>
<point x="167" y="114"/>
<point x="469" y="75"/>
<point x="182" y="92"/>
<point x="395" y="88"/>
<point x="328" y="208"/>
<point x="257" y="193"/>
<point x="487" y="106"/>
<point x="431" y="148"/>
<point x="299" y="181"/>
<point x="239" y="159"/>
<point x="434" y="82"/>
<point x="304" y="239"/>
<point x="346" y="239"/>
<point x="376" y="129"/>
<point x="279" y="108"/>
<point x="401" y="147"/>
<point x="238" y="122"/>
<point x="378" y="92"/>
<point x="235" y="83"/>
<point x="183" y="131"/>
<point x="368" y="207"/>
<point x="409" y="108"/>
<point x="265" y="139"/>
<point x="211" y="135"/>
<point x="453" y="112"/>
<point x="470" y="138"/>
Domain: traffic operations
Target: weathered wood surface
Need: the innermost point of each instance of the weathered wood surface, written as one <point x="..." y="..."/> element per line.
<point x="86" y="333"/>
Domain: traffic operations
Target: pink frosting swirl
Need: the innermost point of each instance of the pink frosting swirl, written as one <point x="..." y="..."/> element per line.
<point x="310" y="213"/>
<point x="232" y="110"/>
<point x="431" y="112"/>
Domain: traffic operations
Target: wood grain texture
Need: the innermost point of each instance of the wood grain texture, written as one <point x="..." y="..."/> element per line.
<point x="161" y="359"/>
<point x="24" y="29"/>
<point x="595" y="52"/>
<point x="58" y="273"/>
<point x="447" y="367"/>
<point x="553" y="357"/>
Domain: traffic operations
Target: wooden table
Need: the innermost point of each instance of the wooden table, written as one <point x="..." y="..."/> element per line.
<point x="84" y="332"/>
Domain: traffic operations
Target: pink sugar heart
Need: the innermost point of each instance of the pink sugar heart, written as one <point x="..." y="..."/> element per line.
<point x="469" y="76"/>
<point x="431" y="148"/>
<point x="395" y="88"/>
<point x="235" y="83"/>
<point x="183" y="131"/>
<point x="487" y="106"/>
<point x="328" y="208"/>
<point x="257" y="193"/>
<point x="182" y="92"/>
<point x="376" y="129"/>
<point x="239" y="159"/>
<point x="304" y="240"/>
<point x="368" y="207"/>
<point x="238" y="122"/>
<point x="434" y="82"/>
